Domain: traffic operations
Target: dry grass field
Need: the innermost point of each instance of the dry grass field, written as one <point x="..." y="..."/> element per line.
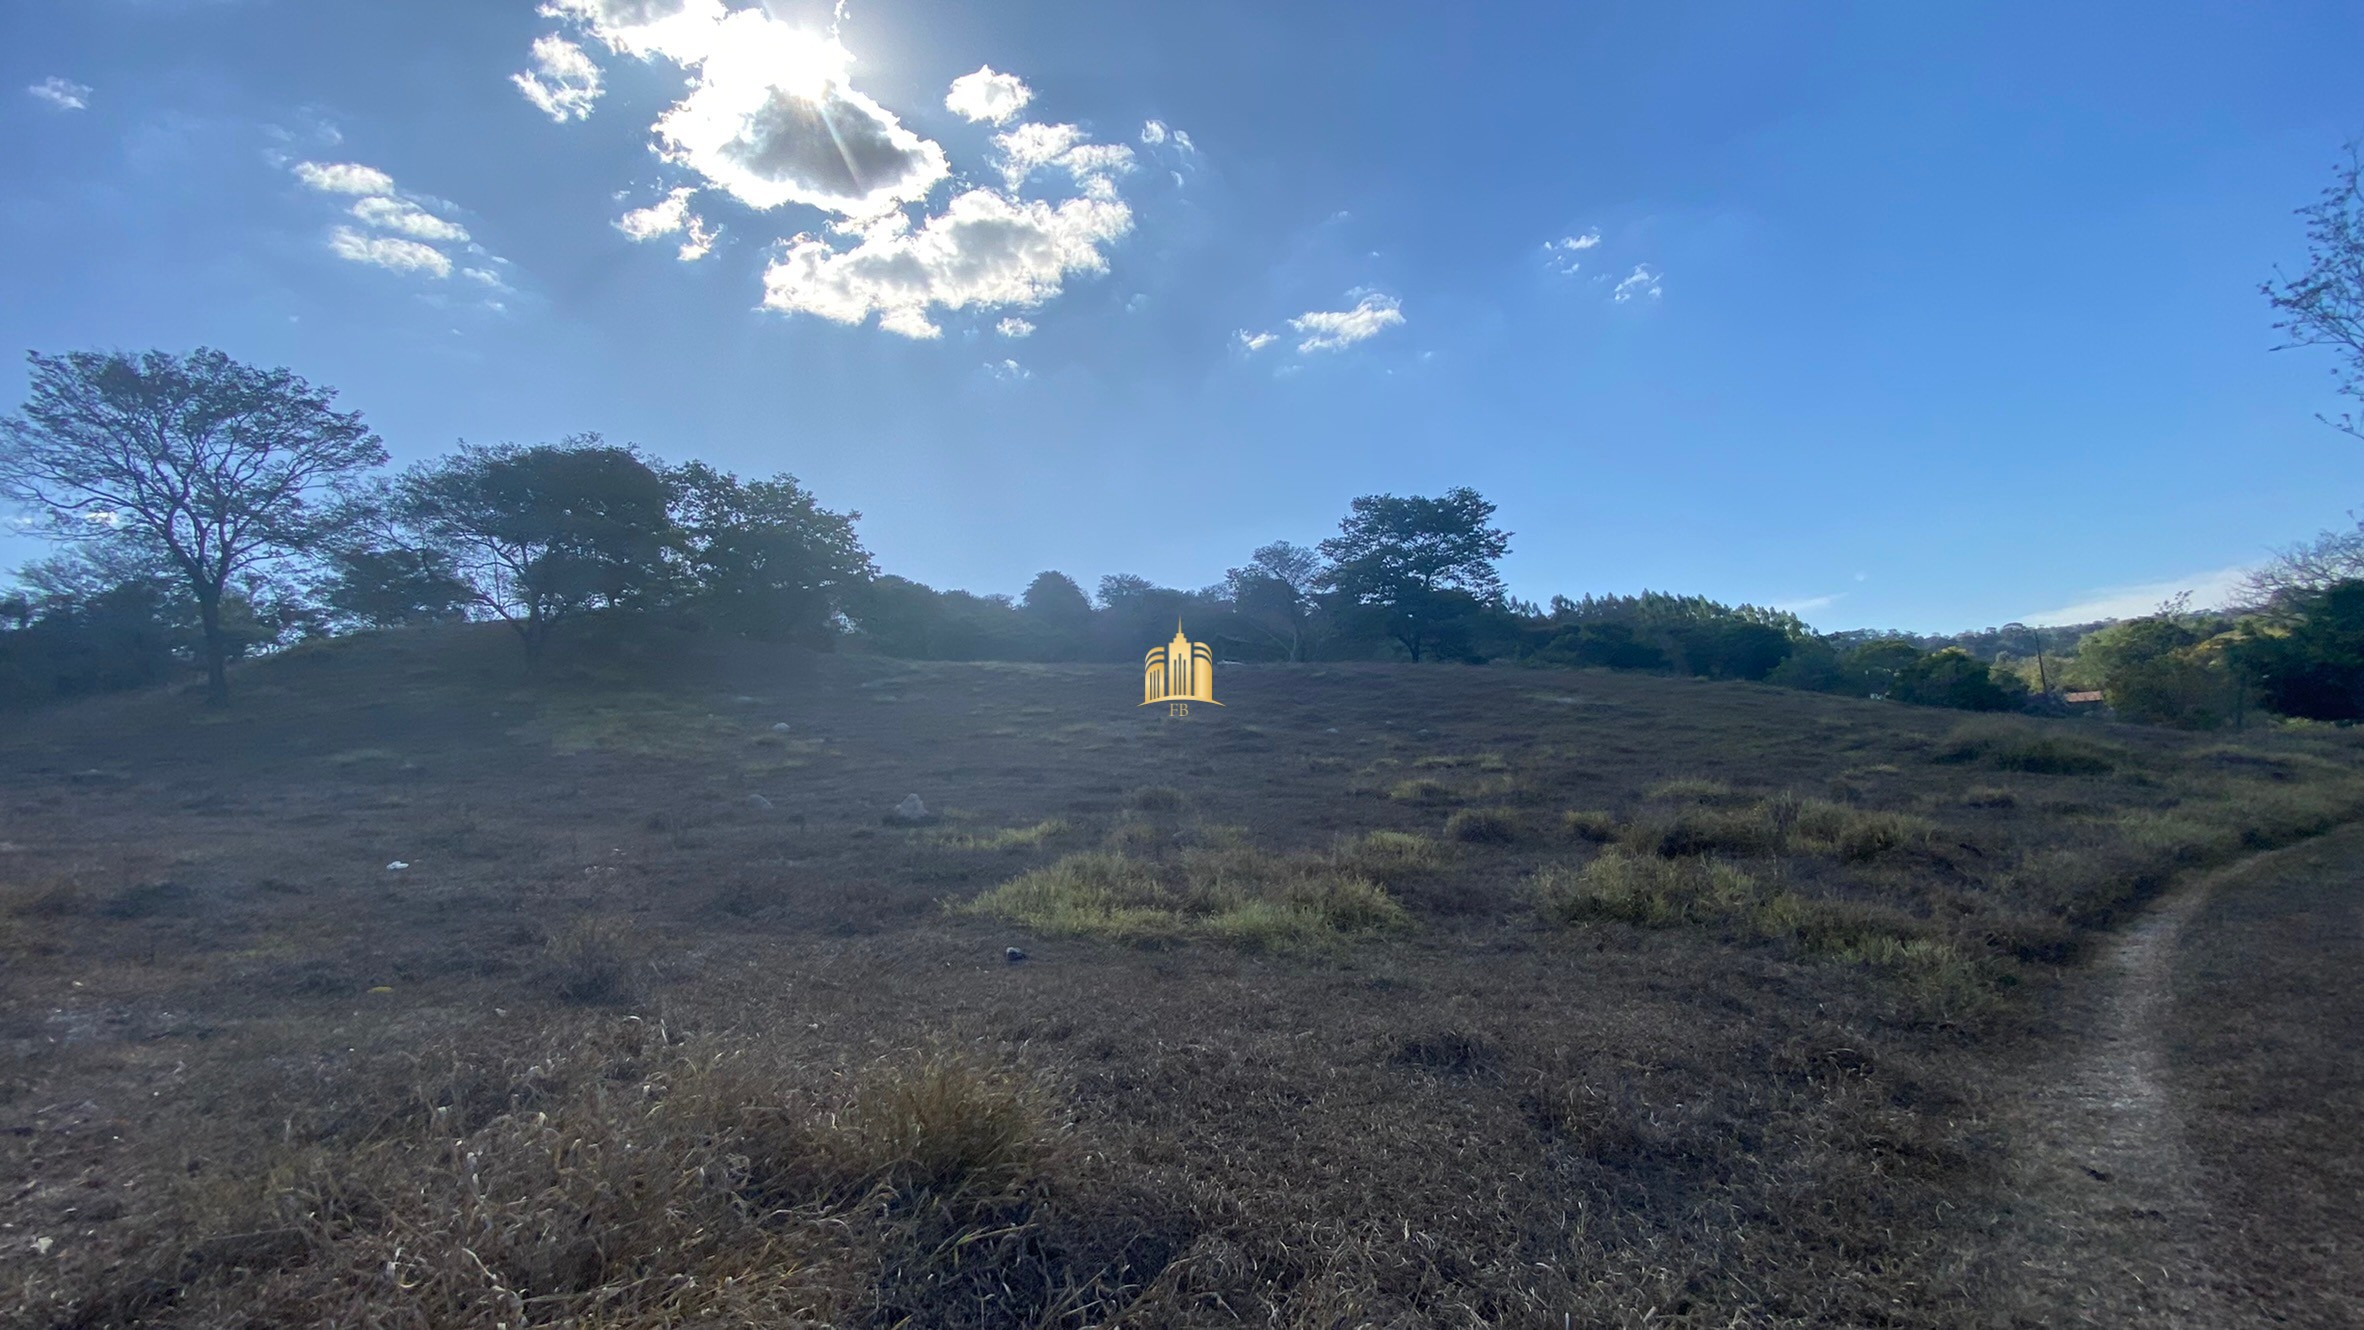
<point x="1382" y="996"/>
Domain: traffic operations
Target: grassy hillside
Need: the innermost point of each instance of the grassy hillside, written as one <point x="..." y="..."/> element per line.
<point x="1379" y="996"/>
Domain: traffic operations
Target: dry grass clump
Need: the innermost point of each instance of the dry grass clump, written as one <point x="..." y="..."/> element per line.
<point x="614" y="1179"/>
<point x="2086" y="886"/>
<point x="1989" y="796"/>
<point x="1783" y="824"/>
<point x="1944" y="981"/>
<point x="1642" y="889"/>
<point x="1003" y="838"/>
<point x="1478" y="761"/>
<point x="1694" y="831"/>
<point x="1157" y="799"/>
<point x="1235" y="894"/>
<point x="1387" y="856"/>
<point x="1693" y="789"/>
<point x="1420" y="790"/>
<point x="1483" y="826"/>
<point x="1858" y="834"/>
<point x="1590" y="825"/>
<point x="2010" y="747"/>
<point x="596" y="962"/>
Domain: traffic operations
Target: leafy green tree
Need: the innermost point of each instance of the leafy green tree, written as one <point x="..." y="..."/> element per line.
<point x="1880" y="662"/>
<point x="898" y="617"/>
<point x="1953" y="677"/>
<point x="2311" y="663"/>
<point x="2153" y="669"/>
<point x="2324" y="305"/>
<point x="1274" y="594"/>
<point x="1058" y="616"/>
<point x="540" y="535"/>
<point x="763" y="558"/>
<point x="215" y="468"/>
<point x="1420" y="563"/>
<point x="389" y="586"/>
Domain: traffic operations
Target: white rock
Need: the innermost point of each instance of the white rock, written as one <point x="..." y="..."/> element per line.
<point x="912" y="809"/>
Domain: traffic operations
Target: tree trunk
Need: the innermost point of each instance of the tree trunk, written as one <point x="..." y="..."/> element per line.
<point x="217" y="665"/>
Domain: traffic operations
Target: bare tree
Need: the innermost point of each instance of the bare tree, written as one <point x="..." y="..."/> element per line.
<point x="2324" y="306"/>
<point x="217" y="467"/>
<point x="2328" y="559"/>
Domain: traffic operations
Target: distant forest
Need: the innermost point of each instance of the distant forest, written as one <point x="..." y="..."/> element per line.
<point x="208" y="510"/>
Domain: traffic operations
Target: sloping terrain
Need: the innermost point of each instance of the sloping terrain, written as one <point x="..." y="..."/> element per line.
<point x="1381" y="995"/>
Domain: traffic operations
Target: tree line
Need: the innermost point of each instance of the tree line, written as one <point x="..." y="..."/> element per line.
<point x="209" y="510"/>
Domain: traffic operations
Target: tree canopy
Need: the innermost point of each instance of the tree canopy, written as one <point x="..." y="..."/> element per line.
<point x="211" y="467"/>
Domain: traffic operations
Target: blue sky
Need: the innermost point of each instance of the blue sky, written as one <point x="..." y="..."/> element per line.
<point x="1926" y="316"/>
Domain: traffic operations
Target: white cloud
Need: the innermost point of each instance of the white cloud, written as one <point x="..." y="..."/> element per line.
<point x="1560" y="255"/>
<point x="64" y="94"/>
<point x="771" y="117"/>
<point x="2209" y="589"/>
<point x="1159" y="134"/>
<point x="663" y="218"/>
<point x="1034" y="147"/>
<point x="564" y="81"/>
<point x="1009" y="370"/>
<point x="1014" y="327"/>
<point x="420" y="239"/>
<point x="1809" y="604"/>
<point x="408" y="218"/>
<point x="1335" y="330"/>
<point x="1253" y="342"/>
<point x="1641" y="283"/>
<point x="671" y="216"/>
<point x="391" y="252"/>
<point x="988" y="97"/>
<point x="984" y="249"/>
<point x="344" y="178"/>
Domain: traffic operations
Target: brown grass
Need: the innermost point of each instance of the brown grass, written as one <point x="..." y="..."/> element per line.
<point x="1747" y="1086"/>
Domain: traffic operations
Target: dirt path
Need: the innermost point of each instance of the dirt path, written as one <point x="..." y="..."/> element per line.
<point x="2137" y="1173"/>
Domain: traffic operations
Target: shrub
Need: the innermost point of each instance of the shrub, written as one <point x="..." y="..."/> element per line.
<point x="1989" y="796"/>
<point x="1483" y="826"/>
